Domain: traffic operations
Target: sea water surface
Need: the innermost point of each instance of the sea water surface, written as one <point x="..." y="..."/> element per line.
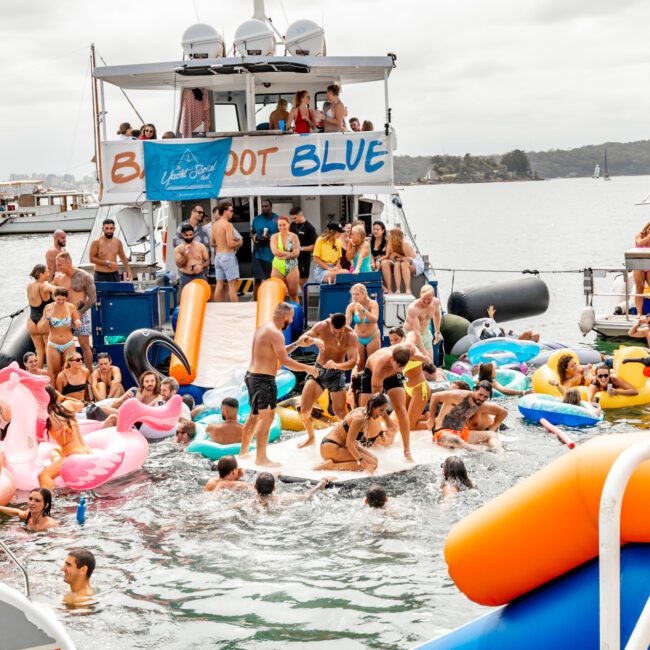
<point x="181" y="569"/>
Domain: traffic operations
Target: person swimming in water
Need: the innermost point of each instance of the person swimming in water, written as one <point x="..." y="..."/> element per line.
<point x="454" y="477"/>
<point x="229" y="431"/>
<point x="37" y="514"/>
<point x="488" y="372"/>
<point x="265" y="492"/>
<point x="376" y="497"/>
<point x="466" y="419"/>
<point x="230" y="476"/>
<point x="77" y="569"/>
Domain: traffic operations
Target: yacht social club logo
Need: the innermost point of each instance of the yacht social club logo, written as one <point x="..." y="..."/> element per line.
<point x="185" y="171"/>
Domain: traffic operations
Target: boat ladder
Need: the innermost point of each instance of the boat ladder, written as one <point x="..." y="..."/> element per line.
<point x="609" y="530"/>
<point x="14" y="559"/>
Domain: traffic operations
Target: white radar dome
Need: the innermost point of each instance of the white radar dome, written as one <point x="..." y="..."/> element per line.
<point x="254" y="38"/>
<point x="305" y="38"/>
<point x="202" y="41"/>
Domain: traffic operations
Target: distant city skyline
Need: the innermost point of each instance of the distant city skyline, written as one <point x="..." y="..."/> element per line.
<point x="483" y="78"/>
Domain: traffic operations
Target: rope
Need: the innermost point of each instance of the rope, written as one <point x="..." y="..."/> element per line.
<point x="524" y="271"/>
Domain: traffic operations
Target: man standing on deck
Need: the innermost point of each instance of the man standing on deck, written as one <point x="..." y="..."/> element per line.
<point x="418" y="320"/>
<point x="268" y="351"/>
<point x="58" y="246"/>
<point x="82" y="293"/>
<point x="104" y="252"/>
<point x="338" y="352"/>
<point x="192" y="258"/>
<point x="307" y="237"/>
<point x="225" y="243"/>
<point x="264" y="225"/>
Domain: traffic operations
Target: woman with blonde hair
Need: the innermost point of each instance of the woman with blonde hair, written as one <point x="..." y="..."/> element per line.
<point x="327" y="254"/>
<point x="280" y="113"/>
<point x="396" y="264"/>
<point x="286" y="249"/>
<point x="301" y="116"/>
<point x="358" y="251"/>
<point x="62" y="317"/>
<point x="73" y="379"/>
<point x="39" y="295"/>
<point x="335" y="113"/>
<point x="362" y="314"/>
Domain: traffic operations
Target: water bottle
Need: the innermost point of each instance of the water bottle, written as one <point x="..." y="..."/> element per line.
<point x="81" y="511"/>
<point x="281" y="124"/>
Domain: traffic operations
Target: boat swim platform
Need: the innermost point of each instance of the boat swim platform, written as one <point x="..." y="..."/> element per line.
<point x="226" y="340"/>
<point x="297" y="465"/>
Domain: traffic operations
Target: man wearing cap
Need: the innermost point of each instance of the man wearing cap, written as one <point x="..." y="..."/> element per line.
<point x="327" y="254"/>
<point x="264" y="225"/>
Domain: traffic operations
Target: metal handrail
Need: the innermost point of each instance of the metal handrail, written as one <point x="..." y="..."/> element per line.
<point x="609" y="531"/>
<point x="8" y="551"/>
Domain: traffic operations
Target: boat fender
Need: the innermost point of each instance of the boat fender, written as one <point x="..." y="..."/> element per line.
<point x="587" y="320"/>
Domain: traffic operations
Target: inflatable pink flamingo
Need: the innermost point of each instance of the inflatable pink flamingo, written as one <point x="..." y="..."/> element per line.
<point x="116" y="451"/>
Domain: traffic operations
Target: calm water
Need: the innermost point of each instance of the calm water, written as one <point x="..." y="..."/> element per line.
<point x="180" y="569"/>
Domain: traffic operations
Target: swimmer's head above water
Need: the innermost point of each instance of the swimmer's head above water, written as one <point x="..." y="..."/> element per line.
<point x="265" y="484"/>
<point x="376" y="496"/>
<point x="227" y="468"/>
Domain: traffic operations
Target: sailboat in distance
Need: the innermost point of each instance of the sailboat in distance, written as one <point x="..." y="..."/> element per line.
<point x="596" y="173"/>
<point x="606" y="176"/>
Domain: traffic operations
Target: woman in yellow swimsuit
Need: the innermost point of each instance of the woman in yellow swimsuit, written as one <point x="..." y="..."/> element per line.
<point x="62" y="427"/>
<point x="286" y="249"/>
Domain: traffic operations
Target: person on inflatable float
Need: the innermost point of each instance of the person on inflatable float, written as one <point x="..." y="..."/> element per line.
<point x="488" y="372"/>
<point x="37" y="514"/>
<point x="571" y="373"/>
<point x="63" y="428"/>
<point x="605" y="380"/>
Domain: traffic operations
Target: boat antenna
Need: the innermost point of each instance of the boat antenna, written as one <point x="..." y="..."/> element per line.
<point x="259" y="13"/>
<point x="135" y="110"/>
<point x="96" y="120"/>
<point x="196" y="11"/>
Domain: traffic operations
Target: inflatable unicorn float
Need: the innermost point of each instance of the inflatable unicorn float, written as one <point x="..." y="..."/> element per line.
<point x="26" y="449"/>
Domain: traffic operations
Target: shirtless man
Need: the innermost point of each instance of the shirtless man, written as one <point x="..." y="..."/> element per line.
<point x="230" y="476"/>
<point x="418" y="320"/>
<point x="225" y="242"/>
<point x="82" y="293"/>
<point x="229" y="431"/>
<point x="148" y="392"/>
<point x="268" y="351"/>
<point x="77" y="569"/>
<point x="58" y="246"/>
<point x="104" y="252"/>
<point x="467" y="418"/>
<point x="192" y="258"/>
<point x="106" y="380"/>
<point x="383" y="373"/>
<point x="338" y="352"/>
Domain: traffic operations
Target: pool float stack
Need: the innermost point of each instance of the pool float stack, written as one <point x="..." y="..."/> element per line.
<point x="628" y="365"/>
<point x="534" y="547"/>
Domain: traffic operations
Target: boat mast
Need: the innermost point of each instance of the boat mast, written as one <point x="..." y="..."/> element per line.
<point x="96" y="119"/>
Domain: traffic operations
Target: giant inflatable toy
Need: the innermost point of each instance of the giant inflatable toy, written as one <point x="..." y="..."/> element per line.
<point x="629" y="364"/>
<point x="512" y="379"/>
<point x="537" y="407"/>
<point x="117" y="451"/>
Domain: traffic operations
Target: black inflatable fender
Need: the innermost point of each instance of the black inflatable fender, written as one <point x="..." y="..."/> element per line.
<point x="136" y="351"/>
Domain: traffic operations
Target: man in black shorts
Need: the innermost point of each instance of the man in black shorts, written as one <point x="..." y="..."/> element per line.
<point x="268" y="351"/>
<point x="383" y="373"/>
<point x="307" y="237"/>
<point x="338" y="350"/>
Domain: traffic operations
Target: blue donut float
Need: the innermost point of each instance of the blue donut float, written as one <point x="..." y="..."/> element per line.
<point x="204" y="445"/>
<point x="535" y="407"/>
<point x="503" y="351"/>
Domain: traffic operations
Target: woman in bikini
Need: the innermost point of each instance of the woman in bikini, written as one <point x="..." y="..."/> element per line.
<point x="73" y="379"/>
<point x="301" y="116"/>
<point x="488" y="372"/>
<point x="358" y="251"/>
<point x="346" y="446"/>
<point x="39" y="295"/>
<point x="362" y="314"/>
<point x="571" y="374"/>
<point x="378" y="243"/>
<point x="37" y="514"/>
<point x="62" y="427"/>
<point x="286" y="248"/>
<point x="335" y="113"/>
<point x="396" y="264"/>
<point x="62" y="316"/>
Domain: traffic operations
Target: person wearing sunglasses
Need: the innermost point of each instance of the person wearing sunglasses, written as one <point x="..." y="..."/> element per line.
<point x="201" y="232"/>
<point x="605" y="380"/>
<point x="73" y="379"/>
<point x="148" y="132"/>
<point x="301" y="116"/>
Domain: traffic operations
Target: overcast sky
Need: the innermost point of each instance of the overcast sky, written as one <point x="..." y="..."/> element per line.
<point x="472" y="76"/>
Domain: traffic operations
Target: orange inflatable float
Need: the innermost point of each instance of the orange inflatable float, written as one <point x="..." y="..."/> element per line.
<point x="189" y="328"/>
<point x="270" y="294"/>
<point x="546" y="525"/>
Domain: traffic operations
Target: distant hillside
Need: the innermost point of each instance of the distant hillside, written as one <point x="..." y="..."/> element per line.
<point x="623" y="159"/>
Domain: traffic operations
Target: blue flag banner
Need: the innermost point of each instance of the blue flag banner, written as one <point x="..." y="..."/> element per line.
<point x="192" y="170"/>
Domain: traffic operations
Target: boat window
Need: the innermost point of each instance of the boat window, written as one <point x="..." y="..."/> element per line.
<point x="226" y="118"/>
<point x="266" y="104"/>
<point x="320" y="99"/>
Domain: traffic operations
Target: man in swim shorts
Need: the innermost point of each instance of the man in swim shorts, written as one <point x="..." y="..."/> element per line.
<point x="106" y="380"/>
<point x="418" y="320"/>
<point x="268" y="353"/>
<point x="466" y="419"/>
<point x="77" y="569"/>
<point x="104" y="252"/>
<point x="225" y="242"/>
<point x="383" y="373"/>
<point x="82" y="293"/>
<point x="338" y="352"/>
<point x="192" y="258"/>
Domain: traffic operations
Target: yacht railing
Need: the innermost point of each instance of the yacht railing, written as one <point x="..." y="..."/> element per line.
<point x="14" y="559"/>
<point x="609" y="529"/>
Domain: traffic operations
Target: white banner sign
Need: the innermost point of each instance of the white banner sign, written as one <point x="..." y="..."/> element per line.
<point x="256" y="162"/>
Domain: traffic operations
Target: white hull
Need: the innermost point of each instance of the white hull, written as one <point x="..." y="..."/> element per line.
<point x="71" y="221"/>
<point x="614" y="324"/>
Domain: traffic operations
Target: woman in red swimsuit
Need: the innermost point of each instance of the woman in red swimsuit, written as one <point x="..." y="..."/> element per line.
<point x="301" y="114"/>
